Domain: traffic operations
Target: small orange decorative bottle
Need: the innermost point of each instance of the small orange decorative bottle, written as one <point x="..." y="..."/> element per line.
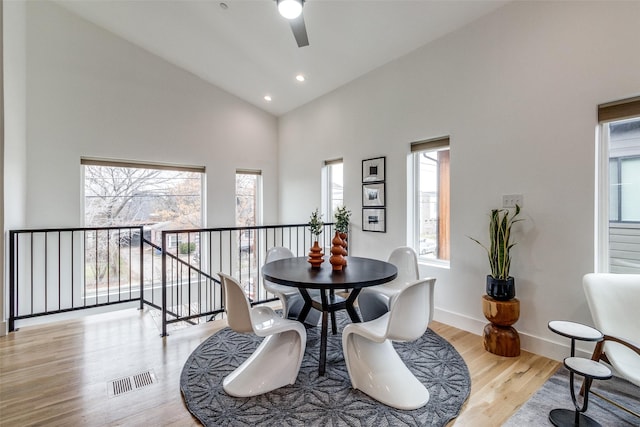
<point x="337" y="259"/>
<point x="315" y="255"/>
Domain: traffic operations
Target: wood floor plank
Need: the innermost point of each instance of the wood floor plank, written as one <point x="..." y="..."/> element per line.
<point x="57" y="374"/>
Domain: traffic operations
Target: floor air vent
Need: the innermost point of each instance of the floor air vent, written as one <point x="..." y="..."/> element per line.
<point x="134" y="382"/>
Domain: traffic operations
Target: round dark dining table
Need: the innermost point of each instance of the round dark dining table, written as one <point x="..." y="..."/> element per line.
<point x="359" y="273"/>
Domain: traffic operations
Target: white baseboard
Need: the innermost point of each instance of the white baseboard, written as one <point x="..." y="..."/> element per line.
<point x="556" y="350"/>
<point x="3" y="328"/>
<point x="459" y="321"/>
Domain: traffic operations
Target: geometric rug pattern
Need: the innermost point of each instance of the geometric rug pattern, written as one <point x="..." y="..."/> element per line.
<point x="317" y="400"/>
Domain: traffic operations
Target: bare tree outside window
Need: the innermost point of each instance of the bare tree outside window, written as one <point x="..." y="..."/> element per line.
<point x="246" y="199"/>
<point x="248" y="187"/>
<point x="117" y="196"/>
<point x="135" y="196"/>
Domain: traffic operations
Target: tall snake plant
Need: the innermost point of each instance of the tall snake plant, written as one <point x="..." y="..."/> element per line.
<point x="500" y="237"/>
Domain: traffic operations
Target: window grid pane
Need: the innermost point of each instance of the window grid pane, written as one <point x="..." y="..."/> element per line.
<point x="623" y="253"/>
<point x="125" y="196"/>
<point x="630" y="189"/>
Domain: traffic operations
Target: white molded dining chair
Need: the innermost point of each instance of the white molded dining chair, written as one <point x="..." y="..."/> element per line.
<point x="613" y="300"/>
<point x="373" y="364"/>
<point x="289" y="297"/>
<point x="277" y="360"/>
<point x="284" y="293"/>
<point x="374" y="301"/>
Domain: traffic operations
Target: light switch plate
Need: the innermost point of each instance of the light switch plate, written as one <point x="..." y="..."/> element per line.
<point x="511" y="200"/>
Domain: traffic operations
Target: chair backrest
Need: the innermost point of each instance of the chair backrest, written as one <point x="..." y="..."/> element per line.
<point x="406" y="261"/>
<point x="277" y="252"/>
<point x="411" y="311"/>
<point x="236" y="305"/>
<point x="613" y="300"/>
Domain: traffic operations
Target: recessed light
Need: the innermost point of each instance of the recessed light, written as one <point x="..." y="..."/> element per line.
<point x="300" y="78"/>
<point x="267" y="98"/>
<point x="224" y="6"/>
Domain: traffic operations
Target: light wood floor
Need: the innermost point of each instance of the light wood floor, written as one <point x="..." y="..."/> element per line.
<point x="57" y="374"/>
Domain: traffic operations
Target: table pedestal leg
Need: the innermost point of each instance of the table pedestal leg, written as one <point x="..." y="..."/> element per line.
<point x="323" y="343"/>
<point x="308" y="303"/>
<point x="351" y="299"/>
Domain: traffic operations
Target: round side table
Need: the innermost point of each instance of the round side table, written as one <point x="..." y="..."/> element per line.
<point x="499" y="337"/>
<point x="587" y="368"/>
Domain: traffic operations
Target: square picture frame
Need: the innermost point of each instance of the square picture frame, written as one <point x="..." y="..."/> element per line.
<point x="374" y="219"/>
<point x="373" y="170"/>
<point x="373" y="195"/>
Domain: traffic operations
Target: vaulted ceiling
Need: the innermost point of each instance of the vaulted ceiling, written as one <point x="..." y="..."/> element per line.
<point x="246" y="48"/>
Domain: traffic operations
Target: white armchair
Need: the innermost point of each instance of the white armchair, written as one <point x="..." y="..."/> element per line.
<point x="374" y="366"/>
<point x="277" y="360"/>
<point x="614" y="300"/>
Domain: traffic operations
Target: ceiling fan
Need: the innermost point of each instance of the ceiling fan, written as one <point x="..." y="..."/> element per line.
<point x="292" y="10"/>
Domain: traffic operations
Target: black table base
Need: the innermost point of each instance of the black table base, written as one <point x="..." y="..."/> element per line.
<point x="297" y="273"/>
<point x="328" y="305"/>
<point x="569" y="418"/>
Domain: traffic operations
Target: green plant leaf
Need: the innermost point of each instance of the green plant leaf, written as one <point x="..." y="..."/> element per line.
<point x="500" y="223"/>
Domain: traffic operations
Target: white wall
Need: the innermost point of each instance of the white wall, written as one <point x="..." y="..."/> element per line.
<point x="517" y="92"/>
<point x="3" y="327"/>
<point x="75" y="90"/>
<point x="14" y="151"/>
<point x="90" y="93"/>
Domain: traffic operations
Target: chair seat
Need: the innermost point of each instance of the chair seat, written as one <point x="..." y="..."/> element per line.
<point x="374" y="330"/>
<point x="625" y="361"/>
<point x="267" y="322"/>
<point x="276" y="361"/>
<point x="275" y="288"/>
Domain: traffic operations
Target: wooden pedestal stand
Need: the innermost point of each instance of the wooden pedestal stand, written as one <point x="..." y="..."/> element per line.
<point x="499" y="336"/>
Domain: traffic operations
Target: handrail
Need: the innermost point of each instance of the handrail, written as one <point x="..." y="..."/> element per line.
<point x="183" y="262"/>
<point x="57" y="270"/>
<point x="49" y="269"/>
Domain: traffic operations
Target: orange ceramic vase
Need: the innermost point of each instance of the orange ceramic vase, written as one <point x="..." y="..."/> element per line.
<point x="337" y="259"/>
<point x="343" y="236"/>
<point x="315" y="255"/>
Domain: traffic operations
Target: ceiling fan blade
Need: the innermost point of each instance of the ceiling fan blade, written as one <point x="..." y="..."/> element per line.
<point x="299" y="31"/>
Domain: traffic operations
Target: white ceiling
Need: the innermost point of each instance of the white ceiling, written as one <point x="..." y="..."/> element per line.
<point x="248" y="49"/>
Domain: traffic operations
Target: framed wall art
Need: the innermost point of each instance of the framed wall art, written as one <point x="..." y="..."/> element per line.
<point x="373" y="195"/>
<point x="373" y="169"/>
<point x="374" y="220"/>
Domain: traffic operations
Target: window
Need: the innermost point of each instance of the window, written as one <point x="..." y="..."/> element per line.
<point x="333" y="193"/>
<point x="618" y="242"/>
<point x="156" y="196"/>
<point x="431" y="226"/>
<point x="248" y="189"/>
<point x="118" y="194"/>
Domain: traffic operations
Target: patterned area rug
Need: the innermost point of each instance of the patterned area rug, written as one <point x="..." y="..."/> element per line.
<point x="321" y="401"/>
<point x="555" y="394"/>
